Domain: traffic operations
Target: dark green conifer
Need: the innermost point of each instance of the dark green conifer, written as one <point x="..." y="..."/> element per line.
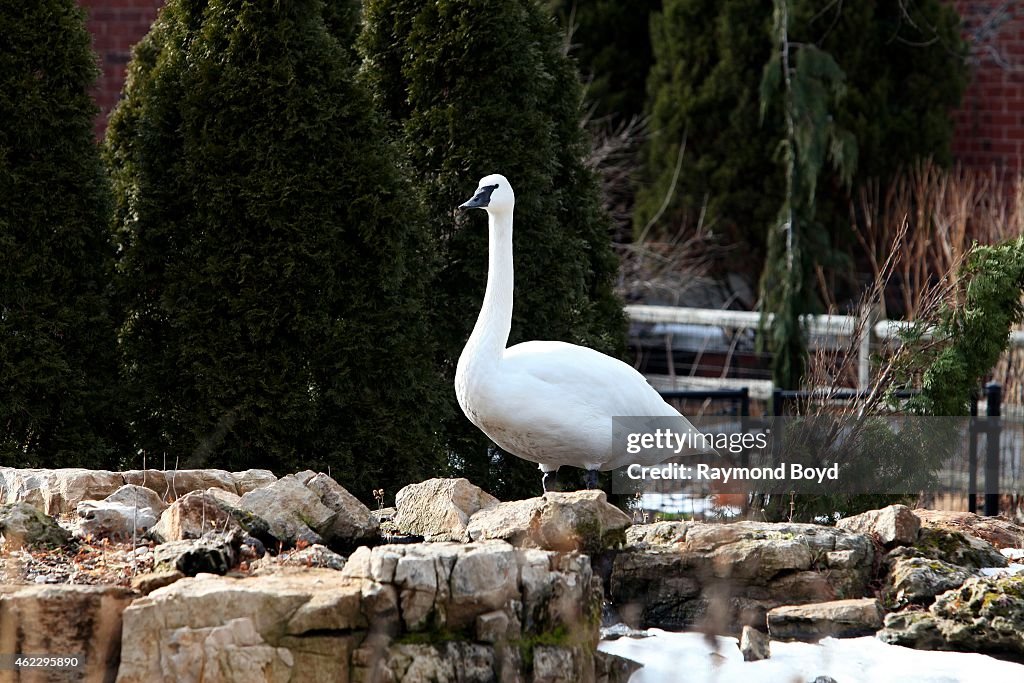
<point x="611" y="41"/>
<point x="904" y="71"/>
<point x="478" y="87"/>
<point x="58" y="360"/>
<point x="274" y="260"/>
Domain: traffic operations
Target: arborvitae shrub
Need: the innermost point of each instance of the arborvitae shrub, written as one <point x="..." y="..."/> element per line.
<point x="904" y="72"/>
<point x="479" y="87"/>
<point x="610" y="39"/>
<point x="58" y="360"/>
<point x="274" y="260"/>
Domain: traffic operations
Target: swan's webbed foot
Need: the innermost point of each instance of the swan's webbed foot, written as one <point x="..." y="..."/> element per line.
<point x="550" y="481"/>
<point x="590" y="479"/>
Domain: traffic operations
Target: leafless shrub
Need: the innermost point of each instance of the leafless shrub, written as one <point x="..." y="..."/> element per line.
<point x="664" y="270"/>
<point x="832" y="370"/>
<point x="614" y="156"/>
<point x="915" y="237"/>
<point x="942" y="214"/>
<point x="945" y="213"/>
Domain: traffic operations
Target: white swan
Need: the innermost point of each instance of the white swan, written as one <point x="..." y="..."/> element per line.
<point x="548" y="402"/>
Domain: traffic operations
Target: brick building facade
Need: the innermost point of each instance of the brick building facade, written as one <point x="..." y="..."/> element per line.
<point x="116" y="25"/>
<point x="990" y="123"/>
<point x="989" y="126"/>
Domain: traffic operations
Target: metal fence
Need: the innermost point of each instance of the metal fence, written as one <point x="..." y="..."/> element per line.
<point x="993" y="443"/>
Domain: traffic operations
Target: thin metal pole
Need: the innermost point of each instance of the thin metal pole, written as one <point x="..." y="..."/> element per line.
<point x="972" y="457"/>
<point x="994" y="394"/>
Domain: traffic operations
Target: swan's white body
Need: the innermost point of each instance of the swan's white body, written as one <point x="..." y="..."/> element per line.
<point x="548" y="402"/>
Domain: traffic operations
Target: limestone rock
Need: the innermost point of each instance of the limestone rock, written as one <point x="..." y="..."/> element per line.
<point x="754" y="645"/>
<point x="250" y="480"/>
<point x="175" y="629"/>
<point x="892" y="525"/>
<point x="277" y="605"/>
<point x="114" y="520"/>
<point x="56" y="491"/>
<point x="353" y="522"/>
<point x="24" y="526"/>
<point x="231" y="652"/>
<point x="920" y="579"/>
<point x="449" y="662"/>
<point x="913" y="628"/>
<point x="212" y="554"/>
<point x="180" y="482"/>
<point x="580" y="520"/>
<point x="461" y="585"/>
<point x="26" y="485"/>
<point x="142" y="496"/>
<point x="609" y="668"/>
<point x="483" y="579"/>
<point x="679" y="575"/>
<point x="130" y="511"/>
<point x="199" y="512"/>
<point x="320" y="657"/>
<point x="838" y="618"/>
<point x="152" y="479"/>
<point x="999" y="531"/>
<point x="658" y="535"/>
<point x="292" y="511"/>
<point x="439" y="509"/>
<point x="552" y="664"/>
<point x="492" y="627"/>
<point x="65" y="620"/>
<point x="958" y="549"/>
<point x="193" y="515"/>
<point x="76" y="485"/>
<point x="172" y="484"/>
<point x="226" y="497"/>
<point x="150" y="581"/>
<point x="354" y="625"/>
<point x="985" y="614"/>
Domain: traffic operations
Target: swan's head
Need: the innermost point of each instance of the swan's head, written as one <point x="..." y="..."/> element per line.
<point x="493" y="194"/>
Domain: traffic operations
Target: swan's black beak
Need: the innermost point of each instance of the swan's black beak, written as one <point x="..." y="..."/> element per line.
<point x="481" y="199"/>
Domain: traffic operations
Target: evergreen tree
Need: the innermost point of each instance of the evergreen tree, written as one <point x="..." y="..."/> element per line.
<point x="611" y="41"/>
<point x="811" y="85"/>
<point x="274" y="259"/>
<point x="58" y="358"/>
<point x="342" y="19"/>
<point x="904" y="72"/>
<point x="480" y="87"/>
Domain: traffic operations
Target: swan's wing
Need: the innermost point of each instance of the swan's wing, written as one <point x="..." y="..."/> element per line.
<point x="602" y="383"/>
<point x="553" y="403"/>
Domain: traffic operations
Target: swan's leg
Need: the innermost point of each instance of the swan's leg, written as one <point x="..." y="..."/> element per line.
<point x="550" y="480"/>
<point x="590" y="479"/>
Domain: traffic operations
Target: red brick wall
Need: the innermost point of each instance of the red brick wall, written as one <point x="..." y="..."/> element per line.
<point x="116" y="26"/>
<point x="989" y="128"/>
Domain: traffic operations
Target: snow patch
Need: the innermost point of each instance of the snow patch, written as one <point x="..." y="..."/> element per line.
<point x="670" y="657"/>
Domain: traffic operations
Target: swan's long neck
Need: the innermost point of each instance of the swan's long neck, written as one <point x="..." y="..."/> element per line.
<point x="490" y="334"/>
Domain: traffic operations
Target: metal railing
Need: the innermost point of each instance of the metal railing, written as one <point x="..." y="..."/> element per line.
<point x="841" y="326"/>
<point x="991" y="427"/>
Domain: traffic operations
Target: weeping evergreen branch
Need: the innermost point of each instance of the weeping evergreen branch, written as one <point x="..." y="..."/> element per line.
<point x="811" y="83"/>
